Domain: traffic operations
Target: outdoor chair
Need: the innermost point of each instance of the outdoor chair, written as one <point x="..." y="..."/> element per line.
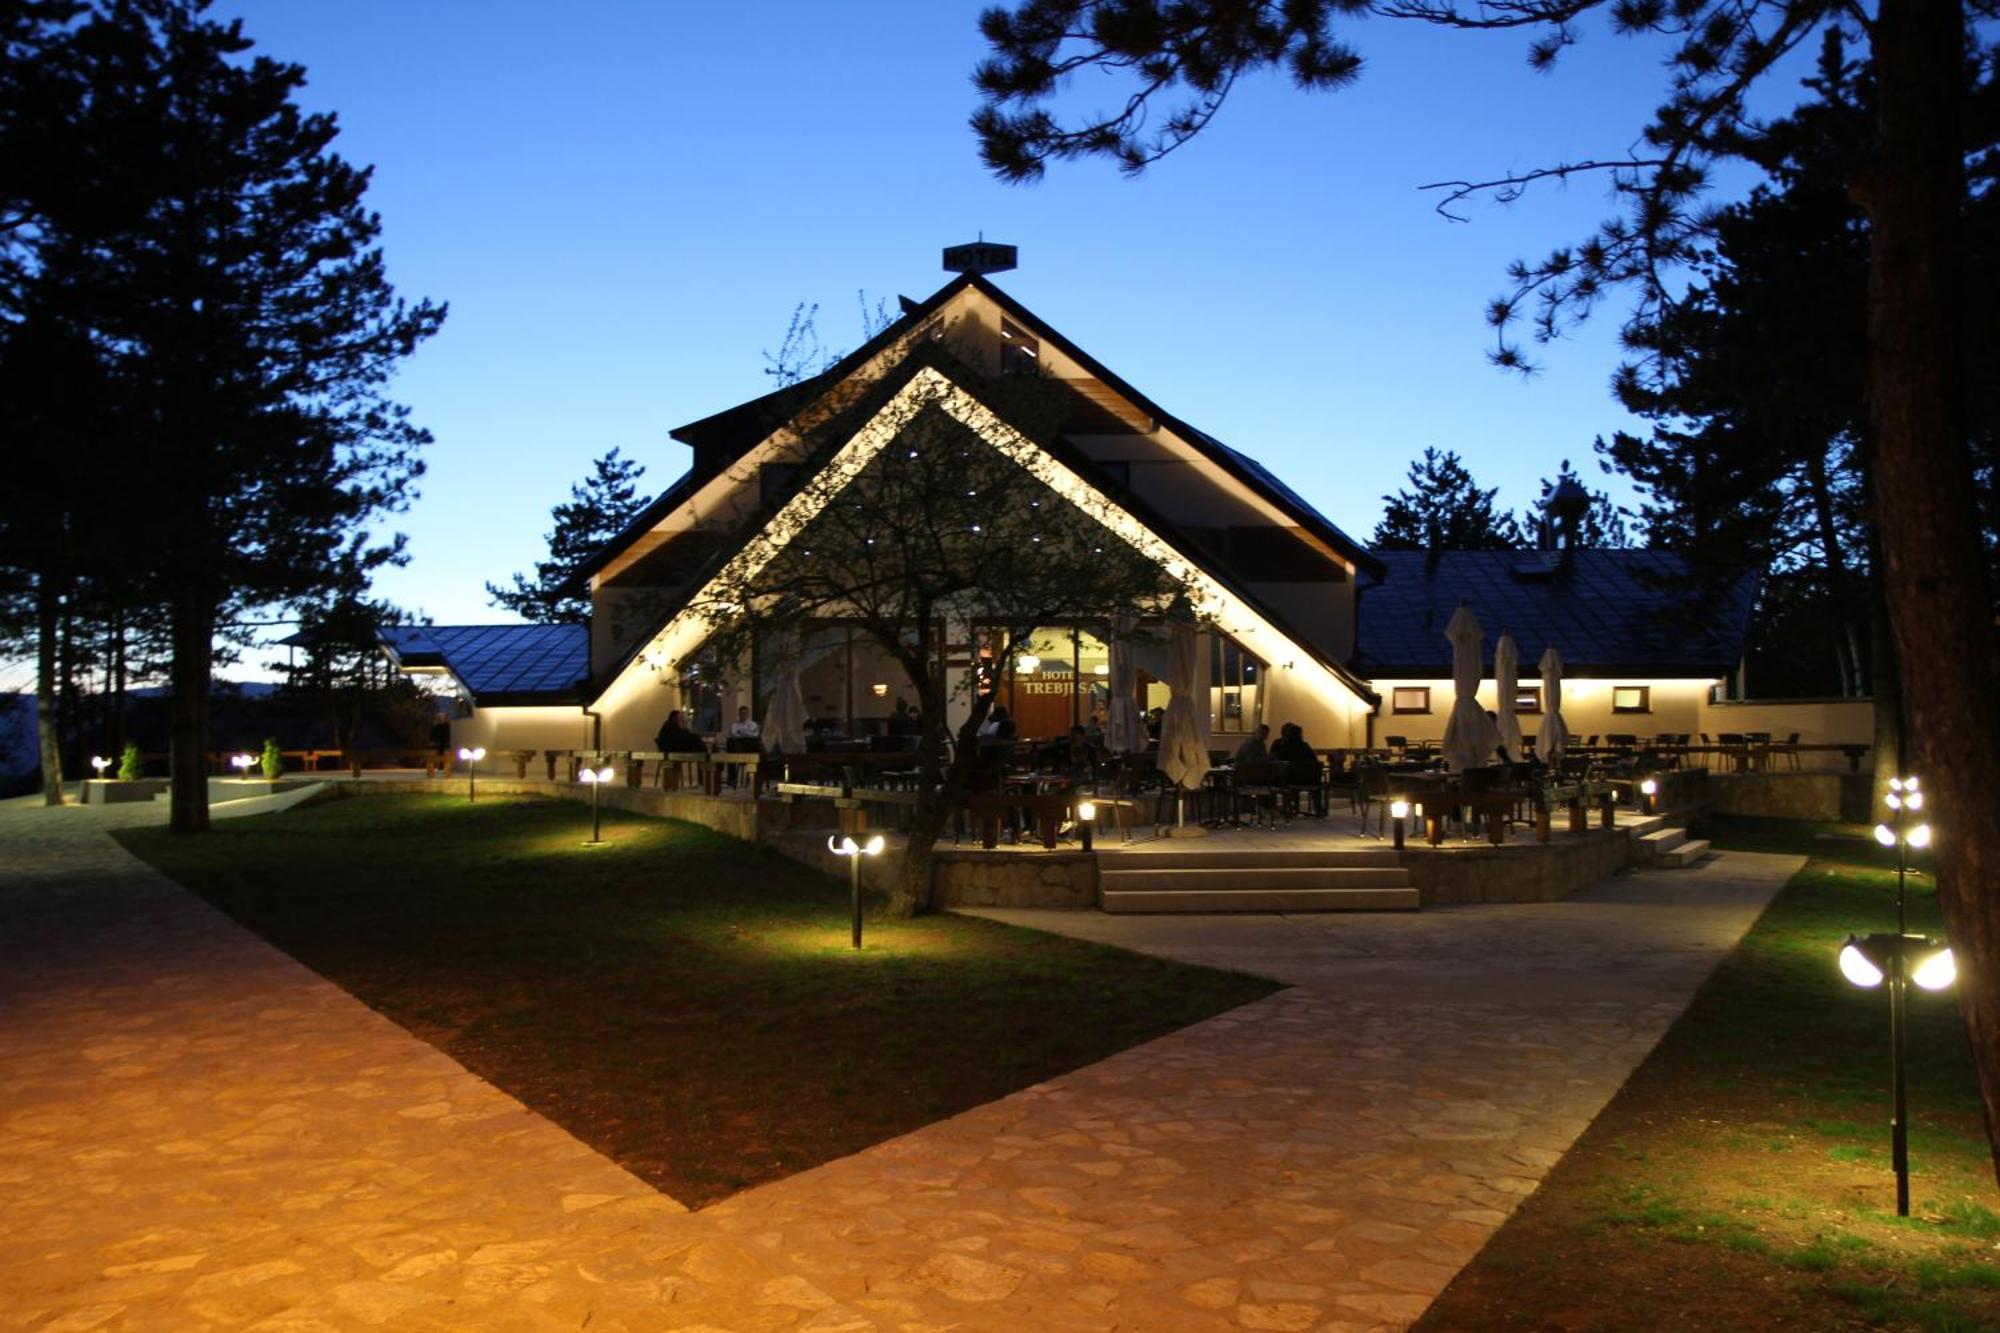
<point x="1788" y="750"/>
<point x="1255" y="790"/>
<point x="1371" y="788"/>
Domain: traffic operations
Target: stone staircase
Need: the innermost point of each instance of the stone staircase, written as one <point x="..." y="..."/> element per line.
<point x="1304" y="880"/>
<point x="1667" y="848"/>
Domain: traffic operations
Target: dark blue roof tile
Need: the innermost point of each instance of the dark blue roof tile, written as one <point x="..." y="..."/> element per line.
<point x="1613" y="611"/>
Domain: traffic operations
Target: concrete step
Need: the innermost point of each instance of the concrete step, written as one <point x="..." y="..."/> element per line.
<point x="1110" y="859"/>
<point x="1238" y="879"/>
<point x="1642" y="826"/>
<point x="1688" y="853"/>
<point x="1260" y="900"/>
<point x="1661" y="841"/>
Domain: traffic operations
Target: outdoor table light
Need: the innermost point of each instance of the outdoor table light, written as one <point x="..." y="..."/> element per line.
<point x="846" y="846"/>
<point x="1086" y="820"/>
<point x="1399" y="811"/>
<point x="470" y="755"/>
<point x="594" y="778"/>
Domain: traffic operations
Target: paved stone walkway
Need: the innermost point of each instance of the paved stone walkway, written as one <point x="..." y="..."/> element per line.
<point x="196" y="1132"/>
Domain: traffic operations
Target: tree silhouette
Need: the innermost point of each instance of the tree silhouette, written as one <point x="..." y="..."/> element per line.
<point x="1911" y="183"/>
<point x="1443" y="509"/>
<point x="222" y="261"/>
<point x="598" y="509"/>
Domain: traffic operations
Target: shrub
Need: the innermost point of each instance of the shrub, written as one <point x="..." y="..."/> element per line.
<point x="273" y="762"/>
<point x="131" y="768"/>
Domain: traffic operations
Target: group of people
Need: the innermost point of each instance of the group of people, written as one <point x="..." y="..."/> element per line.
<point x="1302" y="765"/>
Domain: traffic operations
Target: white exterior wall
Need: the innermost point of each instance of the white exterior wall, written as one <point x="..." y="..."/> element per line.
<point x="544" y="727"/>
<point x="1677" y="706"/>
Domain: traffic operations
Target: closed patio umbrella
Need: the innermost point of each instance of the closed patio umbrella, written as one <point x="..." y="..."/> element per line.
<point x="785" y="719"/>
<point x="1507" y="681"/>
<point x="1183" y="738"/>
<point x="1123" y="732"/>
<point x="1470" y="737"/>
<point x="1554" y="736"/>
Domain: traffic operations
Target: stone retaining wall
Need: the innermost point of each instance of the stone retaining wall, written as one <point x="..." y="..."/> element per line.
<point x="1545" y="872"/>
<point x="1807" y="795"/>
<point x="1013" y="879"/>
<point x="738" y="819"/>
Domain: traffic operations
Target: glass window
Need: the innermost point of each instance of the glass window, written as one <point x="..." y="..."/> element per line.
<point x="1528" y="699"/>
<point x="1410" y="699"/>
<point x="1631" y="698"/>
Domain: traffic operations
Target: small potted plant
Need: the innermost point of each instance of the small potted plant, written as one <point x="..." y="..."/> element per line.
<point x="272" y="761"/>
<point x="131" y="768"/>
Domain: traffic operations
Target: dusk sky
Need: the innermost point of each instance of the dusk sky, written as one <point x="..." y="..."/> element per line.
<point x="622" y="203"/>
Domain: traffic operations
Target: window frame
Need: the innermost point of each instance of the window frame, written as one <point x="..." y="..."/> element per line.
<point x="1645" y="704"/>
<point x="1396" y="693"/>
<point x="1532" y="693"/>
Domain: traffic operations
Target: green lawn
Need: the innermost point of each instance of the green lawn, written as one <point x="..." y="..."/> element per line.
<point x="1741" y="1178"/>
<point x="684" y="1002"/>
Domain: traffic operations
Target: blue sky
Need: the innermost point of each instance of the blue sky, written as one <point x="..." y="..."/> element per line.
<point x="622" y="203"/>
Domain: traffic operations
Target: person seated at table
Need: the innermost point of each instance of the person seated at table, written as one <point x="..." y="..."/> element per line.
<point x="1073" y="755"/>
<point x="998" y="726"/>
<point x="904" y="721"/>
<point x="1154" y="720"/>
<point x="1253" y="750"/>
<point x="1302" y="768"/>
<point x="675" y="738"/>
<point x="744" y="738"/>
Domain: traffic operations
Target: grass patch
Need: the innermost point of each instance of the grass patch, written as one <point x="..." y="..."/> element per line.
<point x="1741" y="1178"/>
<point x="684" y="1002"/>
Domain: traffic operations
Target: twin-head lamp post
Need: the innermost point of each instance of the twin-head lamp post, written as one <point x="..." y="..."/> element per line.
<point x="1899" y="958"/>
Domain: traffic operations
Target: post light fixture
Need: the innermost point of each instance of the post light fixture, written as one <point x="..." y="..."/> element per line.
<point x="470" y="755"/>
<point x="100" y="763"/>
<point x="594" y="778"/>
<point x="1898" y="958"/>
<point x="1086" y="823"/>
<point x="846" y="846"/>
<point x="242" y="764"/>
<point x="1399" y="811"/>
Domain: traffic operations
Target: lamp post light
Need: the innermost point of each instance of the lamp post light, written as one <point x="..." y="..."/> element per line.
<point x="242" y="764"/>
<point x="1086" y="822"/>
<point x="1399" y="811"/>
<point x="594" y="778"/>
<point x="1649" y="796"/>
<point x="470" y="755"/>
<point x="846" y="846"/>
<point x="1899" y="959"/>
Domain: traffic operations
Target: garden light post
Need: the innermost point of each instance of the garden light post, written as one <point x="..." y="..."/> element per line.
<point x="471" y="755"/>
<point x="100" y="763"/>
<point x="1899" y="959"/>
<point x="241" y="763"/>
<point x="1649" y="796"/>
<point x="594" y="778"/>
<point x="1398" y="812"/>
<point x="846" y="846"/>
<point x="1086" y="822"/>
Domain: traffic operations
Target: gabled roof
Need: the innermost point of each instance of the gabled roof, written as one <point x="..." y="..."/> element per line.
<point x="964" y="379"/>
<point x="1615" y="612"/>
<point x="722" y="438"/>
<point x="499" y="664"/>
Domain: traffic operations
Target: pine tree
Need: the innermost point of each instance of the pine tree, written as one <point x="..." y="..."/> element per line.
<point x="199" y="227"/>
<point x="1443" y="509"/>
<point x="598" y="509"/>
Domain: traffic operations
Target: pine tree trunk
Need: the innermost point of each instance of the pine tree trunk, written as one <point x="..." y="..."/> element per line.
<point x="1940" y="607"/>
<point x="193" y="632"/>
<point x="46" y="731"/>
<point x="911" y="893"/>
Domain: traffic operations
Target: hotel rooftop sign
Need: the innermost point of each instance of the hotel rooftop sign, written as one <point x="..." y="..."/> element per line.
<point x="981" y="256"/>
